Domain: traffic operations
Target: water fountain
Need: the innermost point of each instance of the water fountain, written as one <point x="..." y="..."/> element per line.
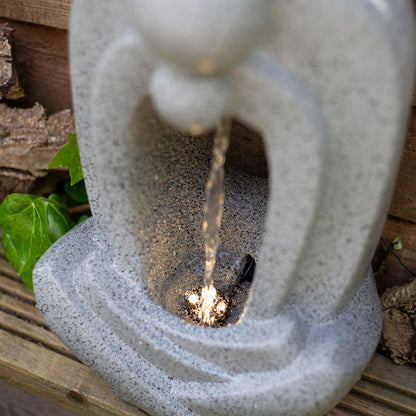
<point x="327" y="86"/>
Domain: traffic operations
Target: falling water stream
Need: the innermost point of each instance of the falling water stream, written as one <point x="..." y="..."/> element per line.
<point x="213" y="210"/>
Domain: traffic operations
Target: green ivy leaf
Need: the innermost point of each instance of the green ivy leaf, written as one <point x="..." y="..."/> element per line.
<point x="68" y="156"/>
<point x="30" y="225"/>
<point x="77" y="192"/>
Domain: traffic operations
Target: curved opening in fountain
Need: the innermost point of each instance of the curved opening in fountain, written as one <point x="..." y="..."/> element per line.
<point x="170" y="197"/>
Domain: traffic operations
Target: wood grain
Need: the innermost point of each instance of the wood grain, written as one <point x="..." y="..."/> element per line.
<point x="404" y="199"/>
<point x="53" y="13"/>
<point x="6" y="269"/>
<point x="43" y="336"/>
<point x="401" y="378"/>
<point x="23" y="310"/>
<point x="15" y="289"/>
<point x="58" y="379"/>
<point x="337" y="411"/>
<point x="381" y="394"/>
<point x="361" y="406"/>
<point x="32" y="358"/>
<point x="41" y="58"/>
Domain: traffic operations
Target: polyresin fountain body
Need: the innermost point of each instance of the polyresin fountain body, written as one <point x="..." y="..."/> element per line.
<point x="327" y="84"/>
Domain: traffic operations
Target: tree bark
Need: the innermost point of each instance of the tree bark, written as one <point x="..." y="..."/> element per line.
<point x="9" y="82"/>
<point x="398" y="337"/>
<point x="28" y="140"/>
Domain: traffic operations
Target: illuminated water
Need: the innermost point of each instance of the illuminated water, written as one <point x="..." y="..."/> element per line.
<point x="213" y="210"/>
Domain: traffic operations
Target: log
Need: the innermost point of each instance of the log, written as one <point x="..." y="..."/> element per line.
<point x="28" y="140"/>
<point x="10" y="87"/>
<point x="398" y="337"/>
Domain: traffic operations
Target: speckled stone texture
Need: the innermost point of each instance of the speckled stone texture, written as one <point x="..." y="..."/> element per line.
<point x="327" y="84"/>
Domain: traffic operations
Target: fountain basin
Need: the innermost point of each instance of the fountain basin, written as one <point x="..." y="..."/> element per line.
<point x="167" y="366"/>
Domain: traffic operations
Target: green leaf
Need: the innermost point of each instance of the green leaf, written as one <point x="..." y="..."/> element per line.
<point x="55" y="197"/>
<point x="30" y="225"/>
<point x="27" y="278"/>
<point x="82" y="218"/>
<point x="77" y="192"/>
<point x="68" y="156"/>
<point x="57" y="222"/>
<point x="397" y="243"/>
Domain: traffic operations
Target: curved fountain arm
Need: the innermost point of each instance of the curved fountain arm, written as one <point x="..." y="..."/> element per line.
<point x="360" y="74"/>
<point x="289" y="117"/>
<point x="124" y="59"/>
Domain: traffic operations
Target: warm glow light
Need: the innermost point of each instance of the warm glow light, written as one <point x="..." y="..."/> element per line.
<point x="221" y="307"/>
<point x="206" y="67"/>
<point x="193" y="299"/>
<point x="208" y="296"/>
<point x="195" y="130"/>
<point x="206" y="306"/>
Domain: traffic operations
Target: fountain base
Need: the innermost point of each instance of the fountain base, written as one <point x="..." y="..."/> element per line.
<point x="254" y="367"/>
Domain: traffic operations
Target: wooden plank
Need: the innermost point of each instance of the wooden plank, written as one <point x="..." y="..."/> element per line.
<point x="21" y="309"/>
<point x="53" y="13"/>
<point x="7" y="269"/>
<point x="35" y="333"/>
<point x="58" y="379"/>
<point x="366" y="407"/>
<point x="381" y="370"/>
<point x="16" y="289"/>
<point x="385" y="389"/>
<point x="17" y="402"/>
<point x="403" y="204"/>
<point x="41" y="57"/>
<point x="341" y="412"/>
<point x="389" y="397"/>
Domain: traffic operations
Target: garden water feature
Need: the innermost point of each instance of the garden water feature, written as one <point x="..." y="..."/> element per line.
<point x="327" y="85"/>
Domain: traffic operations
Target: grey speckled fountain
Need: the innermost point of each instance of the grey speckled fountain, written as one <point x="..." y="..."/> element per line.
<point x="327" y="84"/>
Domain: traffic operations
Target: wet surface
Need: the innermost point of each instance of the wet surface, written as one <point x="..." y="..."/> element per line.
<point x="182" y="297"/>
<point x="193" y="304"/>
